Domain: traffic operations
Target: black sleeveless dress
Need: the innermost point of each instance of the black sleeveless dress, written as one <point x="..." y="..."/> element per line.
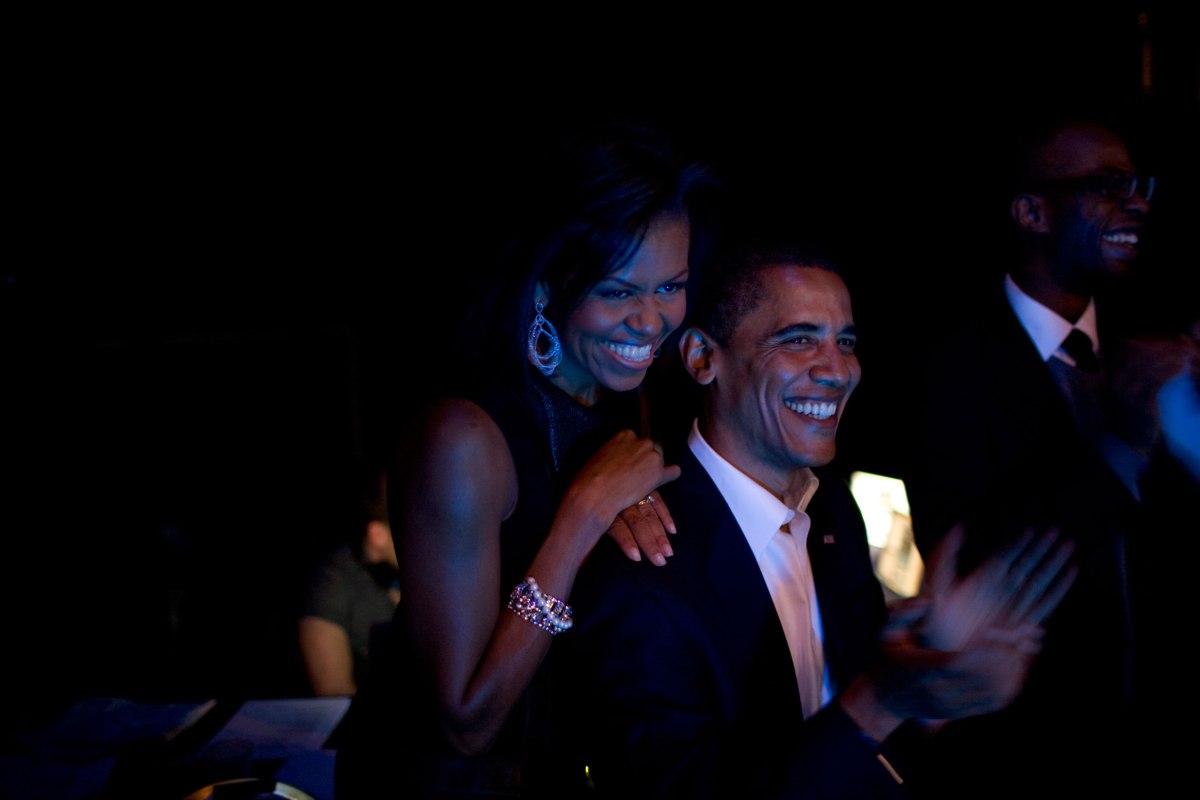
<point x="389" y="745"/>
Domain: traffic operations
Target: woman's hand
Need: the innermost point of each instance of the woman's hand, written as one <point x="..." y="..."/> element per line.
<point x="643" y="528"/>
<point x="616" y="485"/>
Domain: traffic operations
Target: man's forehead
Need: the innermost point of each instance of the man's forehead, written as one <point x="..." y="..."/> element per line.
<point x="799" y="295"/>
<point x="1083" y="150"/>
<point x="799" y="280"/>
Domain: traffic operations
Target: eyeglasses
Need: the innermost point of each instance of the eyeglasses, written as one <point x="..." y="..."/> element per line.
<point x="1112" y="185"/>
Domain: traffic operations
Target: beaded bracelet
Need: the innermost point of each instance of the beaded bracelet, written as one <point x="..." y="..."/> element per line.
<point x="549" y="613"/>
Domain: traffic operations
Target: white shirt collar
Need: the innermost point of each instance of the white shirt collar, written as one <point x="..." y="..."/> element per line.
<point x="758" y="512"/>
<point x="1046" y="328"/>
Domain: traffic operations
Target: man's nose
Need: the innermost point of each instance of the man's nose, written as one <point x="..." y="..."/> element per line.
<point x="832" y="367"/>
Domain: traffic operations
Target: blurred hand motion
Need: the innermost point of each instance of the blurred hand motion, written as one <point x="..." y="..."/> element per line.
<point x="965" y="644"/>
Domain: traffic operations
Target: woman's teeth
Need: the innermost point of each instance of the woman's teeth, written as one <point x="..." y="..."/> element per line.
<point x="631" y="352"/>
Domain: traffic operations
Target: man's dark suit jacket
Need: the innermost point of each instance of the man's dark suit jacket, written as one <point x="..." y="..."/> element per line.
<point x="682" y="683"/>
<point x="998" y="449"/>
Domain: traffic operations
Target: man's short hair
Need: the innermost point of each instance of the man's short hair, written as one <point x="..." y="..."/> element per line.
<point x="1031" y="140"/>
<point x="734" y="287"/>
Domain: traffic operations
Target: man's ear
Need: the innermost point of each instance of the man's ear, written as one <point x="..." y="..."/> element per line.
<point x="1029" y="212"/>
<point x="696" y="350"/>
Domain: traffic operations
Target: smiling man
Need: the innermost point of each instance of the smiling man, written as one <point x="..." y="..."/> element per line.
<point x="751" y="665"/>
<point x="1078" y="205"/>
<point x="1027" y="422"/>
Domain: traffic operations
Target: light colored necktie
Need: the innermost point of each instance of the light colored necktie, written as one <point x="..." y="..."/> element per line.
<point x="787" y="563"/>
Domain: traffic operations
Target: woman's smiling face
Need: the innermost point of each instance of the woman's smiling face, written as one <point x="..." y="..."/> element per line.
<point x="611" y="338"/>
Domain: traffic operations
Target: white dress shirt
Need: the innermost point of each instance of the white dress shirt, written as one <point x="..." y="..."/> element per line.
<point x="1045" y="327"/>
<point x="777" y="536"/>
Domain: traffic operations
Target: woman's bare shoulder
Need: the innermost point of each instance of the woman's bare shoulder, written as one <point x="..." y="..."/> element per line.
<point x="455" y="446"/>
<point x="458" y="422"/>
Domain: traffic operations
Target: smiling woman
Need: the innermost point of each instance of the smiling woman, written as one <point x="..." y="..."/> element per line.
<point x="613" y="334"/>
<point x="502" y="486"/>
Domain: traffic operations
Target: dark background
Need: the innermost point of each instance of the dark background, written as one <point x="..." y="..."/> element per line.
<point x="242" y="248"/>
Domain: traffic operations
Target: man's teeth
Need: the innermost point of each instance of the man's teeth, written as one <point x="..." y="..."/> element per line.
<point x="817" y="410"/>
<point x="629" y="351"/>
<point x="1121" y="238"/>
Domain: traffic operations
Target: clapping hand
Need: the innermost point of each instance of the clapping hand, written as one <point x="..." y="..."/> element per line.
<point x="1008" y="596"/>
<point x="964" y="645"/>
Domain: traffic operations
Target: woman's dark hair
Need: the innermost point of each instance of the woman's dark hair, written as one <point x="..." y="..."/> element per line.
<point x="579" y="210"/>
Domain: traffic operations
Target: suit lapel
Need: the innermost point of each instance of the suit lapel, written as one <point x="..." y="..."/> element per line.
<point x="850" y="597"/>
<point x="744" y="625"/>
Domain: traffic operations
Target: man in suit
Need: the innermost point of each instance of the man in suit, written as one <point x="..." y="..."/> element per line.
<point x="750" y="665"/>
<point x="1022" y="427"/>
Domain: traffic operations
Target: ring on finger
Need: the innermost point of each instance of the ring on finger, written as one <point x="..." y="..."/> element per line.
<point x="647" y="499"/>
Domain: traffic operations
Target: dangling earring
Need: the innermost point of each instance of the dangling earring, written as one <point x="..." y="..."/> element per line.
<point x="545" y="362"/>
